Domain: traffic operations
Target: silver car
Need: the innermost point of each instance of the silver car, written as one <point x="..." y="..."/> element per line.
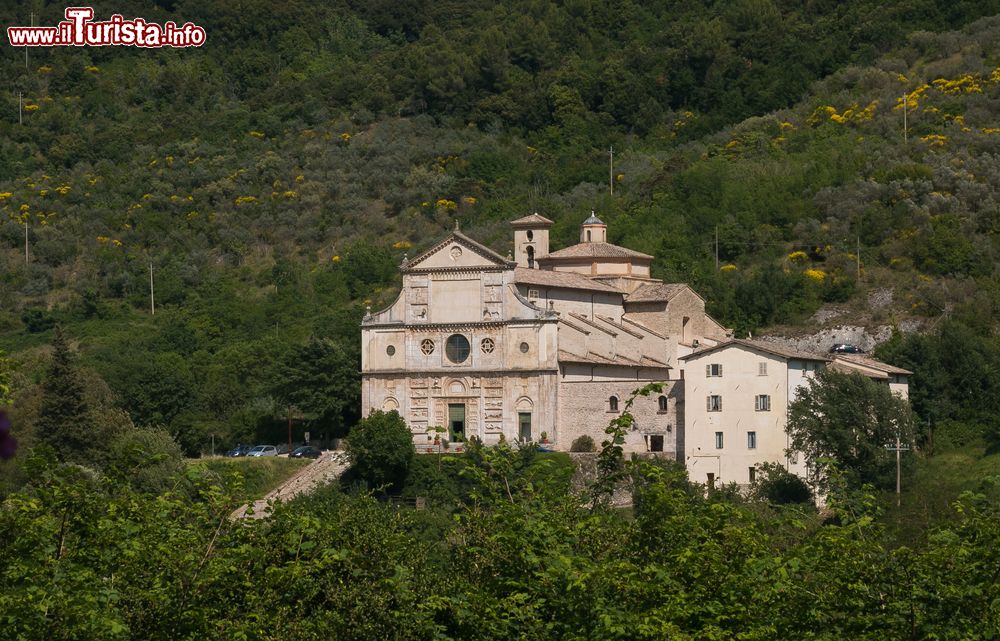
<point x="263" y="450"/>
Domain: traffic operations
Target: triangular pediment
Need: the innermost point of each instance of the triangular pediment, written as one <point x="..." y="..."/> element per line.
<point x="457" y="251"/>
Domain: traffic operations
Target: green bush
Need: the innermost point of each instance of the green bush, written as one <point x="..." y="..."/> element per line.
<point x="150" y="459"/>
<point x="381" y="449"/>
<point x="583" y="444"/>
<point x="777" y="485"/>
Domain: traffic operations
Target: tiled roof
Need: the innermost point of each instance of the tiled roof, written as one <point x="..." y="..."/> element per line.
<point x="533" y="219"/>
<point x="595" y="250"/>
<point x="655" y="292"/>
<point x="762" y="346"/>
<point x="565" y="280"/>
<point x="593" y="220"/>
<point x="864" y="361"/>
<point x="596" y="359"/>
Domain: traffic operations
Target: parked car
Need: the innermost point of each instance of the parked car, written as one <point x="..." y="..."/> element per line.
<point x="844" y="348"/>
<point x="306" y="451"/>
<point x="264" y="450"/>
<point x="239" y="450"/>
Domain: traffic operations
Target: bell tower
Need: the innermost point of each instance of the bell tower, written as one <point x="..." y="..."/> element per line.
<point x="593" y="230"/>
<point x="531" y="239"/>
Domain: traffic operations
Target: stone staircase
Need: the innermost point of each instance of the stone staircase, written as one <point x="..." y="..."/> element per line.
<point x="323" y="470"/>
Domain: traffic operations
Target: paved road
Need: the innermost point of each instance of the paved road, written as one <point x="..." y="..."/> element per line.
<point x="320" y="472"/>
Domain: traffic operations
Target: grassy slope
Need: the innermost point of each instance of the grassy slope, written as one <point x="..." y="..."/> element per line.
<point x="259" y="475"/>
<point x="928" y="498"/>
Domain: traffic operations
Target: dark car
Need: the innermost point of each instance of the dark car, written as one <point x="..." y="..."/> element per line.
<point x="306" y="451"/>
<point x="844" y="348"/>
<point x="239" y="450"/>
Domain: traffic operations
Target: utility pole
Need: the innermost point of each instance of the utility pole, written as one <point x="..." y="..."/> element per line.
<point x="899" y="448"/>
<point x="611" y="170"/>
<point x="152" y="301"/>
<point x="20" y="118"/>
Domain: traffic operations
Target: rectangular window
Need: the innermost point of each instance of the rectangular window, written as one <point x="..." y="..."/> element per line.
<point x="710" y="477"/>
<point x="718" y="440"/>
<point x="762" y="368"/>
<point x="714" y="403"/>
<point x="751" y="440"/>
<point x="456" y="422"/>
<point x="656" y="442"/>
<point x="533" y="294"/>
<point x="715" y="369"/>
<point x="753" y="474"/>
<point x="763" y="403"/>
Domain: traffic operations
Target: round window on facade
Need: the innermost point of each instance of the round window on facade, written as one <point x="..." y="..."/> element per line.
<point x="457" y="348"/>
<point x="427" y="346"/>
<point x="524" y="348"/>
<point x="487" y="345"/>
<point x="390" y="350"/>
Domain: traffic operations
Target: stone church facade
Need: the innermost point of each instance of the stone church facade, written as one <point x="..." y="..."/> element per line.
<point x="542" y="345"/>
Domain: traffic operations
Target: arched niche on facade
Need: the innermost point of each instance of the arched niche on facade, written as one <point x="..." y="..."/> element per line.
<point x="524" y="404"/>
<point x="456" y="387"/>
<point x="390" y="404"/>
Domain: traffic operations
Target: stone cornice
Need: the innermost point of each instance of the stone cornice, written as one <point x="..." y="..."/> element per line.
<point x="460" y="371"/>
<point x="459" y="326"/>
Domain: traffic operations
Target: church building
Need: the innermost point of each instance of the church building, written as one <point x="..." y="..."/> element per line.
<point x="544" y="345"/>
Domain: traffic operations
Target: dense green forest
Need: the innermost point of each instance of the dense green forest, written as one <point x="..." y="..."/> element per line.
<point x="273" y="179"/>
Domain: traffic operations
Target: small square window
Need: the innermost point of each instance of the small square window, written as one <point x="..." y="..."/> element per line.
<point x="753" y="474"/>
<point x="718" y="440"/>
<point x="762" y="403"/>
<point x="751" y="440"/>
<point x="714" y="403"/>
<point x="762" y="368"/>
<point x="714" y="369"/>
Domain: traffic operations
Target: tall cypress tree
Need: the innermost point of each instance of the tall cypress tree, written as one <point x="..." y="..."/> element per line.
<point x="64" y="421"/>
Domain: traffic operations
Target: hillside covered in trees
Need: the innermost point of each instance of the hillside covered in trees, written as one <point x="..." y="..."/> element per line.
<point x="273" y="180"/>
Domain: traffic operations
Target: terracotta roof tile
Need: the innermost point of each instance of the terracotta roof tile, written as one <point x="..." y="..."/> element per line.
<point x="565" y="280"/>
<point x="767" y="347"/>
<point x="595" y="250"/>
<point x="533" y="219"/>
<point x="655" y="292"/>
<point x="864" y="361"/>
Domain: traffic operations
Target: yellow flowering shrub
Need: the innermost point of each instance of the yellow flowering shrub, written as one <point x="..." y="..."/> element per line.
<point x="116" y="242"/>
<point x="815" y="275"/>
<point x="257" y="134"/>
<point x="444" y="203"/>
<point x="797" y="256"/>
<point x="45" y="69"/>
<point x="345" y="136"/>
<point x="4" y="195"/>
<point x="727" y="268"/>
<point x="290" y="194"/>
<point x="63" y="189"/>
<point x="469" y="200"/>
<point x="299" y="178"/>
<point x="966" y="83"/>
<point x="913" y="98"/>
<point x="402" y="244"/>
<point x="31" y="108"/>
<point x="244" y="200"/>
<point x="92" y="69"/>
<point x="934" y="140"/>
<point x="335" y="259"/>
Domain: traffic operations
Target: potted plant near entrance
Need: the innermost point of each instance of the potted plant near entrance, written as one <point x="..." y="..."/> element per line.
<point x="545" y="438"/>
